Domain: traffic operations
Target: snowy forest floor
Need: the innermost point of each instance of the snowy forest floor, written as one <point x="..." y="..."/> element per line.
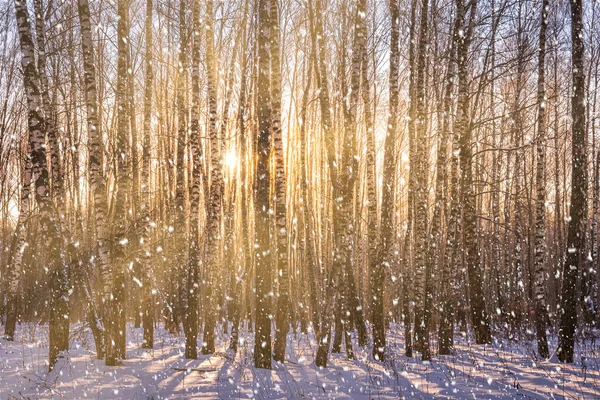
<point x="504" y="370"/>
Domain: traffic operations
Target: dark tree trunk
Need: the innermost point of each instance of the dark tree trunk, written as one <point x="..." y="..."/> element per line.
<point x="446" y="327"/>
<point x="576" y="230"/>
<point x="465" y="133"/>
<point x="115" y="279"/>
<point x="420" y="174"/>
<point x="262" y="337"/>
<point x="541" y="312"/>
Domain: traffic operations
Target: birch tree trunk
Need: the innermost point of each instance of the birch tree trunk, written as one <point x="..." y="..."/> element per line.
<point x="181" y="234"/>
<point x="446" y="328"/>
<point x="306" y="243"/>
<point x="421" y="195"/>
<point x="245" y="199"/>
<point x="114" y="280"/>
<point x="59" y="329"/>
<point x="495" y="200"/>
<point x="558" y="209"/>
<point x="213" y="222"/>
<point x="48" y="106"/>
<point x="589" y="274"/>
<point x="134" y="202"/>
<point x="464" y="131"/>
<point x="407" y="273"/>
<point x="517" y="306"/>
<point x="15" y="266"/>
<point x="262" y="258"/>
<point x="591" y="288"/>
<point x="147" y="306"/>
<point x="541" y="313"/>
<point x="193" y="282"/>
<point x="349" y="162"/>
<point x="323" y="330"/>
<point x="387" y="199"/>
<point x="50" y="229"/>
<point x="283" y="307"/>
<point x="371" y="167"/>
<point x="96" y="151"/>
<point x="576" y="230"/>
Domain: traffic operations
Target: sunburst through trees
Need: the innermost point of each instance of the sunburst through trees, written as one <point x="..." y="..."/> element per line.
<point x="343" y="168"/>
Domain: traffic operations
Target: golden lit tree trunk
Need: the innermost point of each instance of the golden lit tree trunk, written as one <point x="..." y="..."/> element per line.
<point x="214" y="211"/>
<point x="422" y="270"/>
<point x="387" y="200"/>
<point x="95" y="149"/>
<point x="283" y="306"/>
<point x="114" y="280"/>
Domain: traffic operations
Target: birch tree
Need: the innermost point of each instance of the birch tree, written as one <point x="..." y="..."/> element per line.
<point x="262" y="256"/>
<point x="283" y="309"/>
<point x="147" y="306"/>
<point x="214" y="211"/>
<point x="50" y="229"/>
<point x="96" y="151"/>
<point x="464" y="132"/>
<point x="576" y="229"/>
<point x="541" y="313"/>
<point x="193" y="281"/>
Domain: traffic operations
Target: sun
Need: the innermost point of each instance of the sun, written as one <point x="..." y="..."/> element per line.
<point x="231" y="159"/>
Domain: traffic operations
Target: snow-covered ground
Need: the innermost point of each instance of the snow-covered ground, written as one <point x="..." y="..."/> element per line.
<point x="504" y="370"/>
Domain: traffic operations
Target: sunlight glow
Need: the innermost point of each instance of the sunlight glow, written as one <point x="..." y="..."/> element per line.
<point x="231" y="159"/>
